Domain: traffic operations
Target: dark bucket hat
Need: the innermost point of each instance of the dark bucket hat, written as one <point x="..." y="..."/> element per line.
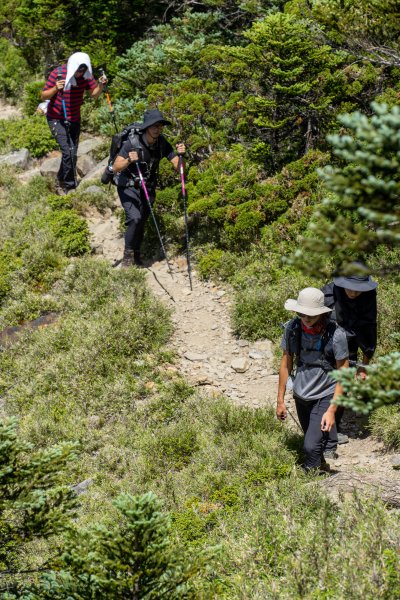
<point x="151" y="117"/>
<point x="356" y="283"/>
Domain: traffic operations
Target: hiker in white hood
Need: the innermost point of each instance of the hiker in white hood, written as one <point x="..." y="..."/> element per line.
<point x="64" y="89"/>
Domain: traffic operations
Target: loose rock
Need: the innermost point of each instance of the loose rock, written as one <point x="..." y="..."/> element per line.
<point x="21" y="159"/>
<point x="80" y="488"/>
<point x="193" y="357"/>
<point x="395" y="461"/>
<point x="240" y="365"/>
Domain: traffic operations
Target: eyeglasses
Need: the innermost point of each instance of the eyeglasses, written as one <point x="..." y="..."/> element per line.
<point x="82" y="69"/>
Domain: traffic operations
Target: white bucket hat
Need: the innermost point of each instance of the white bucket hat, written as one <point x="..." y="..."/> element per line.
<point x="310" y="301"/>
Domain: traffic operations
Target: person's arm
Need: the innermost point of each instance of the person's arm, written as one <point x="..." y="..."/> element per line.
<point x="361" y="372"/>
<point x="284" y="372"/>
<point x="328" y="418"/>
<point x="121" y="163"/>
<point x="52" y="86"/>
<point x="181" y="149"/>
<point x="95" y="92"/>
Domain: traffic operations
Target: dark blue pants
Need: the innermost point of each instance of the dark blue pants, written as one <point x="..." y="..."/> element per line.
<point x="137" y="212"/>
<point x="68" y="140"/>
<point x="316" y="442"/>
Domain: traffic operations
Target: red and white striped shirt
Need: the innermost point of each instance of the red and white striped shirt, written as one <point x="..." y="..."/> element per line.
<point x="73" y="97"/>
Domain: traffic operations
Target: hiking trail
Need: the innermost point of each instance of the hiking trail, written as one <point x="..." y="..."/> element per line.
<point x="213" y="359"/>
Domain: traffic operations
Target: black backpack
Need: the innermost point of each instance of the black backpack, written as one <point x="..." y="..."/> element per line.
<point x="327" y="361"/>
<point x="117" y="141"/>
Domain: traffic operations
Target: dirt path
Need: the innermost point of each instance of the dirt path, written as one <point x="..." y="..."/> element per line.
<point x="7" y="111"/>
<point x="210" y="356"/>
<point x="213" y="359"/>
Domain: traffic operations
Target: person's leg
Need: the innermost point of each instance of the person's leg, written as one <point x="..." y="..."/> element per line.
<point x="65" y="175"/>
<point x="58" y="131"/>
<point x="130" y="200"/>
<point x="303" y="410"/>
<point x="353" y="352"/>
<point x="315" y="440"/>
<point x="312" y="437"/>
<point x="70" y="175"/>
<point x="139" y="235"/>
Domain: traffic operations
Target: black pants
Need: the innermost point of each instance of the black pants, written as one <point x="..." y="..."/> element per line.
<point x="137" y="212"/>
<point x="353" y="353"/>
<point x="316" y="442"/>
<point x="68" y="142"/>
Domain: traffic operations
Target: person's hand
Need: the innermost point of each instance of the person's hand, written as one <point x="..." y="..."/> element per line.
<point x="60" y="84"/>
<point x="133" y="156"/>
<point x="181" y="148"/>
<point x="361" y="373"/>
<point x="328" y="420"/>
<point x="103" y="80"/>
<point x="281" y="412"/>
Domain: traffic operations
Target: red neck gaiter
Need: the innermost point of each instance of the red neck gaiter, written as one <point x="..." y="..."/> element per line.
<point x="316" y="329"/>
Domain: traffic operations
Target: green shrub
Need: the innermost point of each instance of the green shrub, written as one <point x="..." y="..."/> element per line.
<point x="70" y="230"/>
<point x="9" y="262"/>
<point x="259" y="312"/>
<point x="13" y="70"/>
<point x="173" y="447"/>
<point x="384" y="424"/>
<point x="32" y="133"/>
<point x="210" y="264"/>
<point x="32" y="97"/>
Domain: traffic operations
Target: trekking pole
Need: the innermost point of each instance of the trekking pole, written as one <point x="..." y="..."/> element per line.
<point x="69" y="138"/>
<point x="189" y="268"/>
<point x="110" y="106"/>
<point x="146" y="193"/>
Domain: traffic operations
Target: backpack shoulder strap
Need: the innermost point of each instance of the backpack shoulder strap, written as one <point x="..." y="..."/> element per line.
<point x="293" y="336"/>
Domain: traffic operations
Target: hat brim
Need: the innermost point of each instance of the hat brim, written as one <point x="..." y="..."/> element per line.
<point x="150" y="122"/>
<point x="293" y="305"/>
<point x="354" y="285"/>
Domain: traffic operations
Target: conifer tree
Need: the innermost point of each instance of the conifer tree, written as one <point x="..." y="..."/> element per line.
<point x="134" y="558"/>
<point x="33" y="503"/>
<point x="290" y="80"/>
<point x="362" y="208"/>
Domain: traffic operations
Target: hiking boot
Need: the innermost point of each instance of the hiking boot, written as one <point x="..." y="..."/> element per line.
<point x="342" y="438"/>
<point x="60" y="190"/>
<point x="128" y="259"/>
<point x="324" y="468"/>
<point x="331" y="455"/>
<point x="137" y="259"/>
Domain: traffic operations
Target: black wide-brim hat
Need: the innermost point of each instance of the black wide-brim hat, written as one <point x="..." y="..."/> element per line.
<point x="356" y="283"/>
<point x="151" y="117"/>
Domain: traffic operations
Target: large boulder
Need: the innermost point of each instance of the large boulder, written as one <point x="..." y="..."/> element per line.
<point x="96" y="172"/>
<point x="50" y="166"/>
<point x="21" y="159"/>
<point x="85" y="164"/>
<point x="89" y="146"/>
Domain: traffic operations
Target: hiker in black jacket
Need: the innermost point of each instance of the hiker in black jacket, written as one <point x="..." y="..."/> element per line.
<point x="314" y="345"/>
<point x="353" y="303"/>
<point x="147" y="146"/>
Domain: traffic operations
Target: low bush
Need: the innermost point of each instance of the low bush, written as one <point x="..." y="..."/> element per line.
<point x="13" y="70"/>
<point x="384" y="424"/>
<point x="38" y="230"/>
<point x="259" y="310"/>
<point x="32" y="97"/>
<point x="32" y="133"/>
